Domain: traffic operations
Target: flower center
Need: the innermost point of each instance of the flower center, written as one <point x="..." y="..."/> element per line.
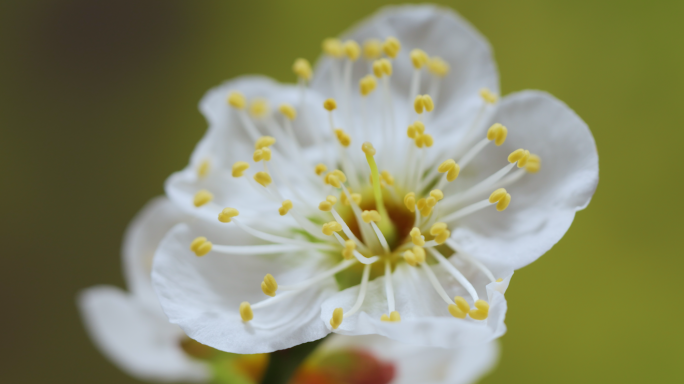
<point x="400" y="217"/>
<point x="376" y="209"/>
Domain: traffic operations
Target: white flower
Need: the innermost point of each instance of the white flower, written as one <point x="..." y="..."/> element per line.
<point x="130" y="328"/>
<point x="460" y="197"/>
<point x="388" y="361"/>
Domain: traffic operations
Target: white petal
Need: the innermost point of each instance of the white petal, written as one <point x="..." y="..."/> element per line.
<point x="423" y="364"/>
<point x="139" y="342"/>
<point x="142" y="237"/>
<point x="439" y="32"/>
<point x="203" y="295"/>
<point x="227" y="142"/>
<point x="425" y="320"/>
<point x="543" y="204"/>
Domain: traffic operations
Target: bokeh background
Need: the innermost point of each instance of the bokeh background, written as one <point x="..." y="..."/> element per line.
<point x="99" y="105"/>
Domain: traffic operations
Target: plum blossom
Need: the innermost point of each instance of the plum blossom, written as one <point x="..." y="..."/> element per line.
<point x="391" y="192"/>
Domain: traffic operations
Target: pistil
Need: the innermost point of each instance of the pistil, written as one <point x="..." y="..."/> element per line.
<point x="388" y="227"/>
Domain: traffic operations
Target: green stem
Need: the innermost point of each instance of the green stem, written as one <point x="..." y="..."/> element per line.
<point x="284" y="363"/>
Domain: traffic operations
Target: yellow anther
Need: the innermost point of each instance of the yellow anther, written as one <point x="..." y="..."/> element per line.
<point x="226" y="215"/>
<point x="499" y="280"/>
<point x="417" y="237"/>
<point x="428" y="103"/>
<point x="348" y="251"/>
<point x="340" y="175"/>
<point x="481" y="310"/>
<point x="501" y="197"/>
<point x="446" y="166"/>
<point x="335" y="178"/>
<point x="368" y="149"/>
<point x="269" y="286"/>
<point x="438" y="228"/>
<point x="523" y="161"/>
<point x="263" y="154"/>
<point x="382" y="67"/>
<point x="493" y="131"/>
<point x="387" y="177"/>
<point x="488" y="96"/>
<point x="498" y="133"/>
<point x="462" y="304"/>
<point x="391" y="47"/>
<point x="356" y="198"/>
<point x="371" y="215"/>
<point x="203" y="168"/>
<point x="420" y="141"/>
<point x="372" y="48"/>
<point x="427" y="140"/>
<point x="202" y="197"/>
<point x="320" y="168"/>
<point x="288" y="111"/>
<point x="264" y="141"/>
<point x="351" y="49"/>
<point x="236" y="100"/>
<point x="453" y="173"/>
<point x="420" y="127"/>
<point x="377" y="70"/>
<point x="451" y="168"/>
<point x="337" y="317"/>
<point x="497" y="195"/>
<point x="503" y="204"/>
<point x="239" y="168"/>
<point x="419" y="58"/>
<point x="421" y="204"/>
<point x="415" y="131"/>
<point x="410" y="201"/>
<point x="329" y="228"/>
<point x="430" y="202"/>
<point x="437" y="194"/>
<point x="393" y="317"/>
<point x="438" y="66"/>
<point x="333" y="47"/>
<point x="200" y="246"/>
<point x="263" y="178"/>
<point x="330" y="104"/>
<point x="325" y="206"/>
<point x="426" y="211"/>
<point x="533" y="164"/>
<point x="197" y="242"/>
<point x="442" y="237"/>
<point x="302" y="69"/>
<point x="519" y="155"/>
<point x="343" y="137"/>
<point x="419" y="254"/>
<point x="258" y="107"/>
<point x="367" y="85"/>
<point x="410" y="258"/>
<point x="418" y="104"/>
<point x="460" y="309"/>
<point x="423" y="103"/>
<point x="246" y="311"/>
<point x="285" y="207"/>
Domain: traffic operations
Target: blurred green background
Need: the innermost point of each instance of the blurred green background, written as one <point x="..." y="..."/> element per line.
<point x="99" y="105"/>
